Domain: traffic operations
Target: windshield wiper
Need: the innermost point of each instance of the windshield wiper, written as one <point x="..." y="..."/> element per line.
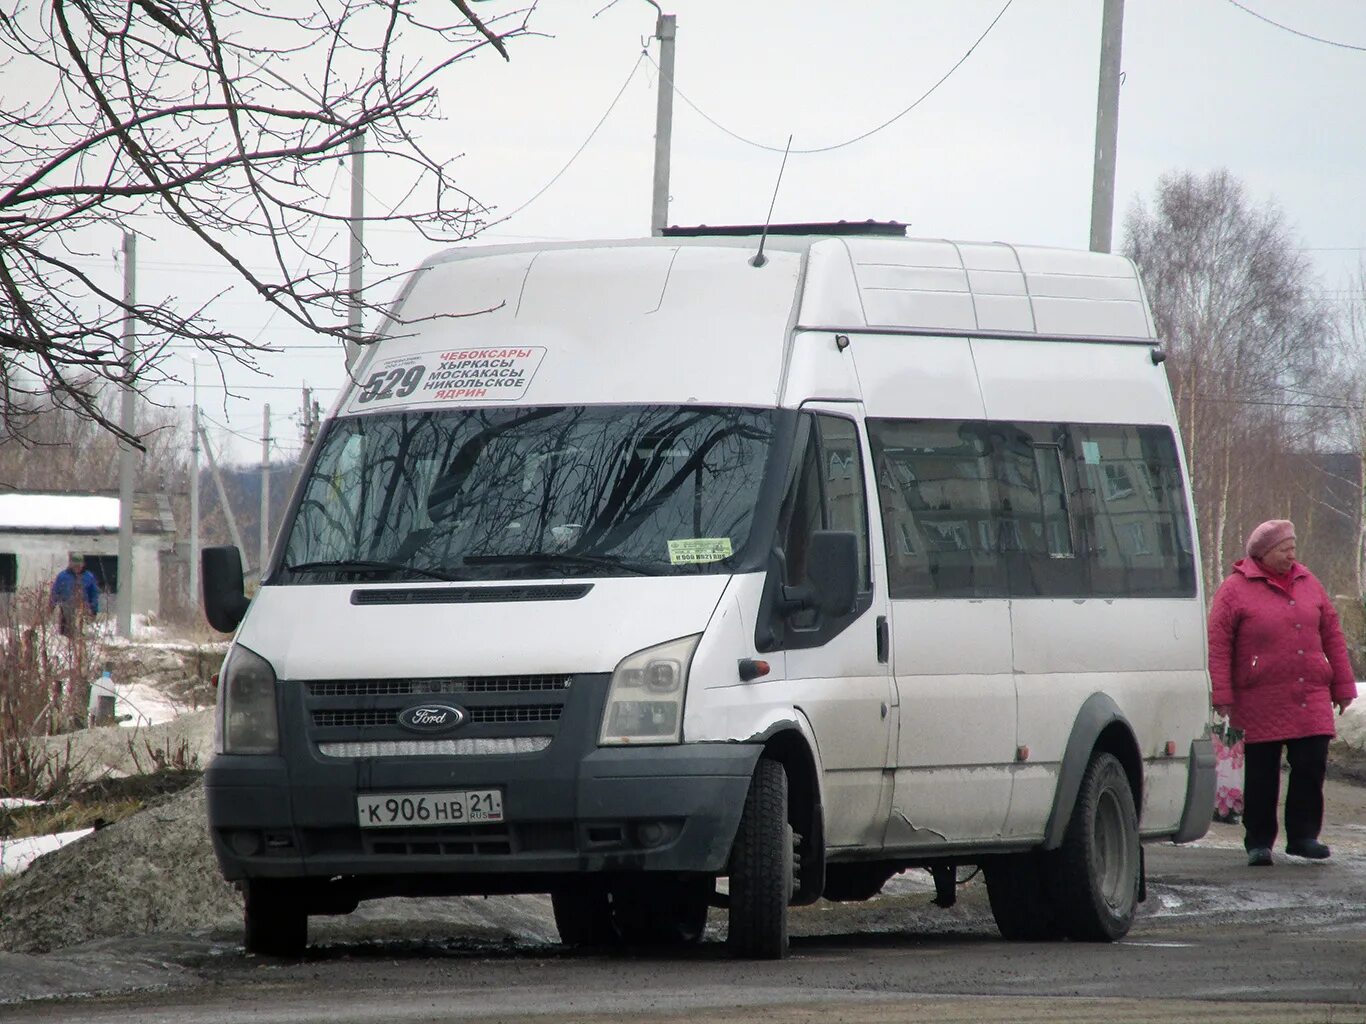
<point x="563" y="558"/>
<point x="368" y="565"/>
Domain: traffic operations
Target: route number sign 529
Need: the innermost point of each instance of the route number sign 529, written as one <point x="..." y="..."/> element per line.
<point x="399" y="382"/>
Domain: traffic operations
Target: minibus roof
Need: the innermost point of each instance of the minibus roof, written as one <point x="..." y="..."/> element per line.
<point x="860" y="276"/>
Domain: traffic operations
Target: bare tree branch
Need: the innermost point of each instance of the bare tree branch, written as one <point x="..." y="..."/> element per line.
<point x="221" y="119"/>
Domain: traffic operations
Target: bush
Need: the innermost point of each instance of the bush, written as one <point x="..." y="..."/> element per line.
<point x="44" y="689"/>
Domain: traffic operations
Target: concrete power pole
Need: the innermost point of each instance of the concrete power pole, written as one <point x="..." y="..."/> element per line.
<point x="357" y="224"/>
<point x="222" y="495"/>
<point x="195" y="596"/>
<point x="265" y="489"/>
<point x="127" y="453"/>
<point x="1107" y="127"/>
<point x="666" y="30"/>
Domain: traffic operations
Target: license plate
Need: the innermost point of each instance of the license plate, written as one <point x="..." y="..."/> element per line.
<point x="405" y="810"/>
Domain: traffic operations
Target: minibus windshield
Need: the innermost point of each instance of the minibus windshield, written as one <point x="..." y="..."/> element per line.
<point x="529" y="492"/>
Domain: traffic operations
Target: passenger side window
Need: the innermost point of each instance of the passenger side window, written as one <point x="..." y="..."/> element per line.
<point x="993" y="509"/>
<point x="828" y="494"/>
<point x="940" y="508"/>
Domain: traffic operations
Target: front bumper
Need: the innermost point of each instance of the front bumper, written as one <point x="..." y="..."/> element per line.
<point x="570" y="809"/>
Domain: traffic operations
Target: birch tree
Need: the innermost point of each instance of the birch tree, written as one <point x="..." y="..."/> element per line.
<point x="1248" y="338"/>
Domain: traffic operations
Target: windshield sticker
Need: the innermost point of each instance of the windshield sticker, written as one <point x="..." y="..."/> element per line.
<point x="697" y="550"/>
<point x="451" y="375"/>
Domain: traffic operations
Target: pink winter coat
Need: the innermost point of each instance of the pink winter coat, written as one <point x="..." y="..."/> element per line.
<point x="1277" y="654"/>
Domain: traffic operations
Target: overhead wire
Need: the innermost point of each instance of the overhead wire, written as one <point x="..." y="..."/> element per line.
<point x="644" y="55"/>
<point x="857" y="138"/>
<point x="1297" y="32"/>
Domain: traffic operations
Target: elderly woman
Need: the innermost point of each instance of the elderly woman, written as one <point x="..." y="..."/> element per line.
<point x="1278" y="663"/>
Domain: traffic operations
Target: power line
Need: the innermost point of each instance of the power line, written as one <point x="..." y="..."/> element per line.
<point x="1295" y="31"/>
<point x="857" y="138"/>
<point x="644" y="55"/>
<point x="1274" y="405"/>
<point x="239" y="387"/>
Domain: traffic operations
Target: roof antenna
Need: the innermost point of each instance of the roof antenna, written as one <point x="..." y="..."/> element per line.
<point x="759" y="258"/>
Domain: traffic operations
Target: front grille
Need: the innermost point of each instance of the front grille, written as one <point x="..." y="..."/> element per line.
<point x="383" y="718"/>
<point x="475" y="840"/>
<point x="467" y="747"/>
<point x="410" y="687"/>
<point x="511" y="715"/>
<point x="502" y="715"/>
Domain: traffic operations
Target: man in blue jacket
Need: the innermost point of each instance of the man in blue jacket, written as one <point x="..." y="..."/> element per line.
<point x="75" y="595"/>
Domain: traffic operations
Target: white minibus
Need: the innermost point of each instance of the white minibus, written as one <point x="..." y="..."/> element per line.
<point x="711" y="570"/>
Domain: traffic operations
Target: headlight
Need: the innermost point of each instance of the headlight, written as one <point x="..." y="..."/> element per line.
<point x="247" y="720"/>
<point x="645" y="700"/>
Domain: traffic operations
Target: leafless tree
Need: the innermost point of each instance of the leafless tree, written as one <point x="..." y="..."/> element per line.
<point x="1249" y="340"/>
<point x="226" y="120"/>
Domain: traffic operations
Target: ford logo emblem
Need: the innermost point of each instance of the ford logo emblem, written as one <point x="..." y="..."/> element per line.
<point x="431" y="718"/>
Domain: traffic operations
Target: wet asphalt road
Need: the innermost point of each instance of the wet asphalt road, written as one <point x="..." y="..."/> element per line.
<point x="1215" y="941"/>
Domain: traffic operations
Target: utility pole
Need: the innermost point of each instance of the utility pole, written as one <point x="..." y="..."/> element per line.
<point x="1107" y="127"/>
<point x="265" y="488"/>
<point x="309" y="417"/>
<point x="666" y="30"/>
<point x="123" y="598"/>
<point x="357" y="223"/>
<point x="222" y="494"/>
<point x="194" y="488"/>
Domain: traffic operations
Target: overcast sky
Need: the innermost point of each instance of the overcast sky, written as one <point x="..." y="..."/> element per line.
<point x="1001" y="150"/>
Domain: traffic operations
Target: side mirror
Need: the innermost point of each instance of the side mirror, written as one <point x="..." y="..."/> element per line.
<point x="225" y="601"/>
<point x="832" y="571"/>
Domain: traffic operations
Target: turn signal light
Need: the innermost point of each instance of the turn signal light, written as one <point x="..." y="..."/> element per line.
<point x="1171" y="748"/>
<point x="752" y="668"/>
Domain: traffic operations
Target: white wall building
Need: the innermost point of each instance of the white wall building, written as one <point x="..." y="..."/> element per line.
<point x="39" y="531"/>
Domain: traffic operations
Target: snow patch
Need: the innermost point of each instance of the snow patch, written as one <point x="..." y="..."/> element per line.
<point x="1352" y="722"/>
<point x="17" y="854"/>
<point x="7" y="802"/>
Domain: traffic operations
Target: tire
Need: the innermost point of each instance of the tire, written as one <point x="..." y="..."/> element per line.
<point x="1018" y="890"/>
<point x="275" y="918"/>
<point x="1098" y="869"/>
<point x="664" y="912"/>
<point x="761" y="868"/>
<point x="583" y="916"/>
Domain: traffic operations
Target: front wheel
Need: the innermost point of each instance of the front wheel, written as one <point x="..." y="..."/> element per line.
<point x="1017" y="888"/>
<point x="1098" y="870"/>
<point x="761" y="868"/>
<point x="275" y="918"/>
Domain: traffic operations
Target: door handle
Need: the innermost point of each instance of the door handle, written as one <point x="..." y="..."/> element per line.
<point x="884" y="640"/>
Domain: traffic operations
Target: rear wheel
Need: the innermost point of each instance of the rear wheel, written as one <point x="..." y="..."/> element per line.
<point x="761" y="868"/>
<point x="1017" y="888"/>
<point x="1098" y="868"/>
<point x="275" y="918"/>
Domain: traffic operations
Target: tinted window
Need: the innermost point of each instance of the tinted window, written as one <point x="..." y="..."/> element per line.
<point x="989" y="509"/>
<point x="940" y="507"/>
<point x="827" y="494"/>
<point x="532" y="491"/>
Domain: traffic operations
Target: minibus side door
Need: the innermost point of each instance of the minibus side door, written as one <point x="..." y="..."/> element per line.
<point x="838" y="670"/>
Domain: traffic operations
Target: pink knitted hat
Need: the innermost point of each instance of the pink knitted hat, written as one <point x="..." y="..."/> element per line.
<point x="1268" y="535"/>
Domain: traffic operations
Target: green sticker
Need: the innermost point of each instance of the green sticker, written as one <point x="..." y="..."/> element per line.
<point x="1090" y="453"/>
<point x="696" y="550"/>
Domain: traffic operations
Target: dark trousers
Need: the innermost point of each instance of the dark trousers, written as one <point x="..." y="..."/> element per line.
<point x="1308" y="757"/>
